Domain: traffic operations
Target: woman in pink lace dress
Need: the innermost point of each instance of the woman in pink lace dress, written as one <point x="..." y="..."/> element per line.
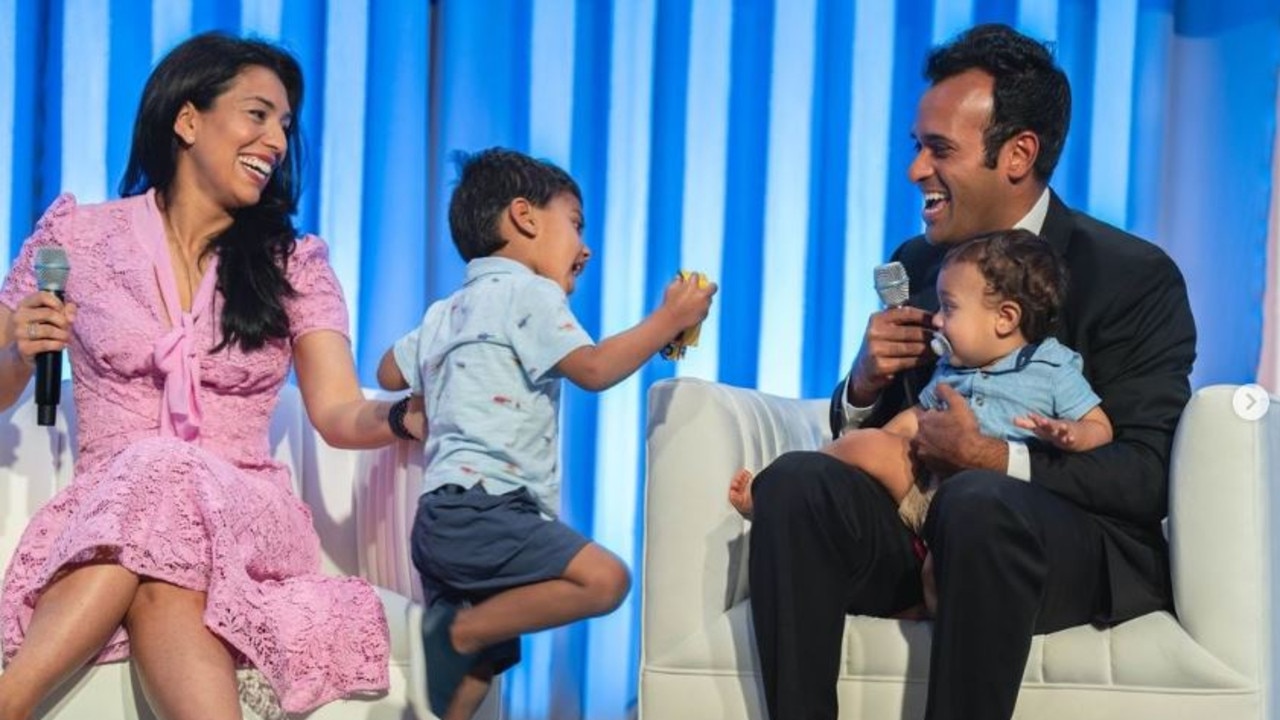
<point x="180" y="542"/>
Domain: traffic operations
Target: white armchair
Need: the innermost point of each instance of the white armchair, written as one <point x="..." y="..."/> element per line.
<point x="362" y="503"/>
<point x="1214" y="660"/>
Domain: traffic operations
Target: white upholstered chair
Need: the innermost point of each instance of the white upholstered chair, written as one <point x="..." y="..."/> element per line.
<point x="1214" y="660"/>
<point x="362" y="503"/>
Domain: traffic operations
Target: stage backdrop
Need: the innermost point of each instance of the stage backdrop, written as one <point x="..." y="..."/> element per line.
<point x="762" y="142"/>
<point x="1269" y="367"/>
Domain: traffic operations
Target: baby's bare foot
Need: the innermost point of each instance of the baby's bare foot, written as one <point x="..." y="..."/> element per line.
<point x="740" y="492"/>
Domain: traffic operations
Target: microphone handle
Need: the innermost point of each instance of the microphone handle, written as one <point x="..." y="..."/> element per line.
<point x="48" y="382"/>
<point x="909" y="388"/>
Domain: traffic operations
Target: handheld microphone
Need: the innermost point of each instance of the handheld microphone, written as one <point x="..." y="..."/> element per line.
<point x="892" y="284"/>
<point x="894" y="288"/>
<point x="51" y="276"/>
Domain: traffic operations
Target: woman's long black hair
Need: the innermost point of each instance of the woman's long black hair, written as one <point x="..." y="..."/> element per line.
<point x="253" y="253"/>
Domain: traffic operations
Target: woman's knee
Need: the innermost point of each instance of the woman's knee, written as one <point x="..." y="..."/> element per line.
<point x="155" y="599"/>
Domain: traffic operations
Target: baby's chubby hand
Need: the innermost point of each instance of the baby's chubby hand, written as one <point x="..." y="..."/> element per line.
<point x="1059" y="433"/>
<point x="687" y="299"/>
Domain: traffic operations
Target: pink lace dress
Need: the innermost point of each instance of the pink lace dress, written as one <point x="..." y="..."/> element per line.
<point x="174" y="478"/>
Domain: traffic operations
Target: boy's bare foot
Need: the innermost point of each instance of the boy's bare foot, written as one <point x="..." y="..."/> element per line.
<point x="740" y="492"/>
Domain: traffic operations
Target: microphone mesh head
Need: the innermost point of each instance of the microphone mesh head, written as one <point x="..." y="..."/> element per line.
<point x="52" y="268"/>
<point x="892" y="284"/>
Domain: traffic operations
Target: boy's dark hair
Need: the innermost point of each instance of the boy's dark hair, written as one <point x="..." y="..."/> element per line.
<point x="1019" y="266"/>
<point x="1031" y="92"/>
<point x="487" y="183"/>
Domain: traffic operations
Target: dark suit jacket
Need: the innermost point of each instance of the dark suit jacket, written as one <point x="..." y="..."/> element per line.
<point x="1128" y="316"/>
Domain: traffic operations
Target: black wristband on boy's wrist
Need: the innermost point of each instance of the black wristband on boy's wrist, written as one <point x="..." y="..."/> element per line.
<point x="395" y="418"/>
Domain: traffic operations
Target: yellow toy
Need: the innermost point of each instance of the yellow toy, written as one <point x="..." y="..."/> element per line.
<point x="688" y="337"/>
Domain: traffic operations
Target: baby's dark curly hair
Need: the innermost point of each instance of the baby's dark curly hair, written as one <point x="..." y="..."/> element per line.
<point x="1021" y="267"/>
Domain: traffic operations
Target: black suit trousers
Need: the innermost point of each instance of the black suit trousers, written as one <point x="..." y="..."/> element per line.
<point x="1011" y="560"/>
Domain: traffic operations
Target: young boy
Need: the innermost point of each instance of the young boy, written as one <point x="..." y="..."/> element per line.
<point x="494" y="561"/>
<point x="999" y="296"/>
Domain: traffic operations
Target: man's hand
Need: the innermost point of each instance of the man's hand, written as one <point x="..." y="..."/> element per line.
<point x="897" y="339"/>
<point x="948" y="440"/>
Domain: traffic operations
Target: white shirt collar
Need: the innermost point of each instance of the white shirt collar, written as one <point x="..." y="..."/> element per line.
<point x="1034" y="219"/>
<point x="495" y="264"/>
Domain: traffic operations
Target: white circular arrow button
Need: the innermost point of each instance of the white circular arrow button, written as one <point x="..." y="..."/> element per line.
<point x="1250" y="402"/>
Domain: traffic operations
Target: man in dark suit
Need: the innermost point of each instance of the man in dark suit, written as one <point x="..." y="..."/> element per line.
<point x="1025" y="539"/>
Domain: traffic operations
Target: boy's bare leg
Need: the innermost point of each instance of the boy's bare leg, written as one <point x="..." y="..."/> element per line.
<point x="594" y="583"/>
<point x="74" y="618"/>
<point x="882" y="455"/>
<point x="471" y="693"/>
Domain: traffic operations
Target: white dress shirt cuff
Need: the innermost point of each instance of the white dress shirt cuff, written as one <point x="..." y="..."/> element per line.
<point x="854" y="416"/>
<point x="1019" y="461"/>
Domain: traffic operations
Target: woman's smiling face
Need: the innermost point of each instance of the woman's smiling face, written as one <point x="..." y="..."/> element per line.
<point x="232" y="149"/>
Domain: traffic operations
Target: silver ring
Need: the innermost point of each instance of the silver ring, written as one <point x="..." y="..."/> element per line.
<point x="31" y="330"/>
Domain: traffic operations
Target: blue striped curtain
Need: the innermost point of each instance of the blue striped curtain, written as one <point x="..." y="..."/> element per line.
<point x="1269" y="364"/>
<point x="764" y="142"/>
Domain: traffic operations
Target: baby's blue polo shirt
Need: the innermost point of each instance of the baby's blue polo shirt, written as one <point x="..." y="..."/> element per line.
<point x="1044" y="378"/>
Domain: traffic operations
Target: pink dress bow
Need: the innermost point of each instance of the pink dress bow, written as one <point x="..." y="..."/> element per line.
<point x="177" y="352"/>
<point x="176" y="356"/>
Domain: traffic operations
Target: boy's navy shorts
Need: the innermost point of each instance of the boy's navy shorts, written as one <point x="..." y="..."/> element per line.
<point x="468" y="545"/>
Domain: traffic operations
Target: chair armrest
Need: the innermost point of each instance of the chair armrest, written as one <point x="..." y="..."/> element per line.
<point x="388" y="482"/>
<point x="322" y="477"/>
<point x="1220" y="544"/>
<point x="699" y="434"/>
<point x="362" y="501"/>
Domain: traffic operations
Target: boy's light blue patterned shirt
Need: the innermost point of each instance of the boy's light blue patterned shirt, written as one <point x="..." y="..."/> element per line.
<point x="1045" y="379"/>
<point x="484" y="360"/>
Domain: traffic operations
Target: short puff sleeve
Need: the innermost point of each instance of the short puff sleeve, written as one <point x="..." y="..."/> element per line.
<point x="317" y="303"/>
<point x="53" y="229"/>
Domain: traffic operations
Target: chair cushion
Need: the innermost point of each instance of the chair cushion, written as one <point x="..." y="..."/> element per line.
<point x="1151" y="651"/>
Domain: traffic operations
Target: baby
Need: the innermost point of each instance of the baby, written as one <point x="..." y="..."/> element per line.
<point x="999" y="298"/>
